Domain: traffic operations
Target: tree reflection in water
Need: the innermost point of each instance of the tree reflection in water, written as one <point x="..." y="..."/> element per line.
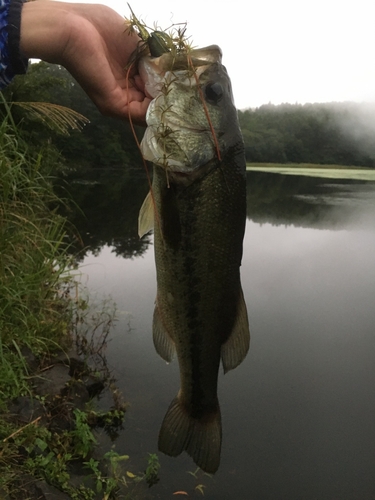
<point x="106" y="205"/>
<point x="105" y="210"/>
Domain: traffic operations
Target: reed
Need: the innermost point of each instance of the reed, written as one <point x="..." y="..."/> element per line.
<point x="34" y="304"/>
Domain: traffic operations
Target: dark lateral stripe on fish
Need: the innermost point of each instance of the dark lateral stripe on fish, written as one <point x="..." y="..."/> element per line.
<point x="169" y="216"/>
<point x="195" y="325"/>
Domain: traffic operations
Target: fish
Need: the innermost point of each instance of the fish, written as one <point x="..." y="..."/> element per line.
<point x="197" y="209"/>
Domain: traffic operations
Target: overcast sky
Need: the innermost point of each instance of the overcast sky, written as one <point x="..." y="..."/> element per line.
<point x="279" y="50"/>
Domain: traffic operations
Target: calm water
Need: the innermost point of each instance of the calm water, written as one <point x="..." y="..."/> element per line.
<point x="298" y="414"/>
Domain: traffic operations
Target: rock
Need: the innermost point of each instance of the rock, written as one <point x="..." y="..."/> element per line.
<point x="33" y="489"/>
<point x="58" y="390"/>
<point x="26" y="409"/>
<point x="76" y="394"/>
<point x="77" y="367"/>
<point x="52" y="381"/>
<point x="48" y="492"/>
<point x="31" y="360"/>
<point x="93" y="384"/>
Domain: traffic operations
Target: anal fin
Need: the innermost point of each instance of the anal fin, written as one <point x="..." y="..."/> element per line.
<point x="234" y="350"/>
<point x="163" y="342"/>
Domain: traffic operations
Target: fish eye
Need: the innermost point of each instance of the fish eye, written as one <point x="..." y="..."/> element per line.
<point x="213" y="92"/>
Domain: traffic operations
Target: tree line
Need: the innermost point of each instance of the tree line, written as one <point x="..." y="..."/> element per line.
<point x="331" y="133"/>
<point x="102" y="142"/>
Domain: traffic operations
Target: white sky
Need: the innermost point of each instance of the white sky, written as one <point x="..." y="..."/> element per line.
<point x="279" y="50"/>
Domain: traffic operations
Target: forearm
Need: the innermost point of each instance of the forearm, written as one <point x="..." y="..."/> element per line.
<point x="92" y="42"/>
<point x="30" y="30"/>
<point x="45" y="29"/>
<point x="50" y="30"/>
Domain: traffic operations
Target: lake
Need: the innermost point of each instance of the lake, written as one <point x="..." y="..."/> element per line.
<point x="298" y="413"/>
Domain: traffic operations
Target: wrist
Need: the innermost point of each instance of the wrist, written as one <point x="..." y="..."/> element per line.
<point x="44" y="30"/>
<point x="11" y="61"/>
<point x="18" y="62"/>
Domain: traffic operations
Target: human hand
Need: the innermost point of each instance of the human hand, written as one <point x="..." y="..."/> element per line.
<point x="92" y="42"/>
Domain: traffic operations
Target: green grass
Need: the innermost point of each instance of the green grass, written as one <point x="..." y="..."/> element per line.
<point x="34" y="310"/>
<point x="38" y="315"/>
<point x="314" y="170"/>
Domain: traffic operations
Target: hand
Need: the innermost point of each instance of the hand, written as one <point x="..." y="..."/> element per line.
<point x="93" y="43"/>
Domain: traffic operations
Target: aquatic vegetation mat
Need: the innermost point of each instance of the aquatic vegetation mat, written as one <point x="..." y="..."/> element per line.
<point x="310" y="170"/>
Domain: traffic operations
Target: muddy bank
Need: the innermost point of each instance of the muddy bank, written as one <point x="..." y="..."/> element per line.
<point x="59" y="420"/>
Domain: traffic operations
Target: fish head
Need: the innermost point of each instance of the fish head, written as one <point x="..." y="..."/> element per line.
<point x="192" y="118"/>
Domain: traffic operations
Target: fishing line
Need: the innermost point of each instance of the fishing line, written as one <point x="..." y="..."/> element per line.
<point x="139" y="147"/>
<point x="217" y="147"/>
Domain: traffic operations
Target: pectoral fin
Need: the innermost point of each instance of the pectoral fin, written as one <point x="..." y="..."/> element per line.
<point x="163" y="343"/>
<point x="234" y="350"/>
<point x="146" y="216"/>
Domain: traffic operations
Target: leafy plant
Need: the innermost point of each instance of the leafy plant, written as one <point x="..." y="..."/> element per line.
<point x="199" y="476"/>
<point x="83" y="438"/>
<point x="109" y="483"/>
<point x="152" y="470"/>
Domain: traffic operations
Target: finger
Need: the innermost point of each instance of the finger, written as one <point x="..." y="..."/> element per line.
<point x="137" y="111"/>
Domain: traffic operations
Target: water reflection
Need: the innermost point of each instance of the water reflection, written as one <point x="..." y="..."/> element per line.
<point x="108" y="203"/>
<point x="105" y="210"/>
<point x="298" y="413"/>
<point x="306" y="201"/>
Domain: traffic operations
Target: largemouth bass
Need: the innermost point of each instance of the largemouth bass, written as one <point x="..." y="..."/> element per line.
<point x="197" y="207"/>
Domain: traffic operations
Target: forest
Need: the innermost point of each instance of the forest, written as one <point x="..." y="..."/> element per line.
<point x="329" y="133"/>
<point x="103" y="141"/>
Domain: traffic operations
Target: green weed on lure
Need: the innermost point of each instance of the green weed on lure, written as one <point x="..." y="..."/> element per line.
<point x="158" y="42"/>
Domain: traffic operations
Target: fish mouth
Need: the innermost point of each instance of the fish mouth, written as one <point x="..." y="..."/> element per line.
<point x="171" y="119"/>
<point x="178" y="149"/>
<point x="187" y="178"/>
<point x="153" y="69"/>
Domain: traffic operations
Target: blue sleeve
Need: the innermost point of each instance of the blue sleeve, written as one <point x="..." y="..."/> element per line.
<point x="11" y="61"/>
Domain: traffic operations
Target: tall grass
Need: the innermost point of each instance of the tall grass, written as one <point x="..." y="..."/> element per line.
<point x="34" y="308"/>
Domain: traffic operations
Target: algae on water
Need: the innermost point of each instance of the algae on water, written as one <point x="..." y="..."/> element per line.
<point x="330" y="172"/>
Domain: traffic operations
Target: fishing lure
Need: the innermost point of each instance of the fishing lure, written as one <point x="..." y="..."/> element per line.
<point x="159" y="42"/>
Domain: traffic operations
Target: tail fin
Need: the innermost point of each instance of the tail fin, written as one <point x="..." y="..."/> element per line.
<point x="201" y="438"/>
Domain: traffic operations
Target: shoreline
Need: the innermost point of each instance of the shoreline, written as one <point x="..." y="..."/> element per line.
<point x="315" y="170"/>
